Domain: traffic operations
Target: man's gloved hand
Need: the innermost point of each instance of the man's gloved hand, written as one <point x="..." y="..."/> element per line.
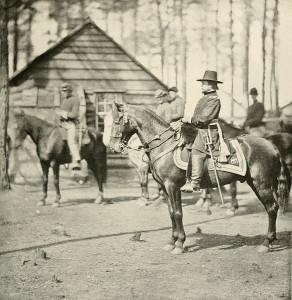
<point x="176" y="125"/>
<point x="184" y="120"/>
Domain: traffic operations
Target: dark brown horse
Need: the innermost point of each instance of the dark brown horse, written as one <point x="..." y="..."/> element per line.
<point x="53" y="151"/>
<point x="283" y="141"/>
<point x="265" y="171"/>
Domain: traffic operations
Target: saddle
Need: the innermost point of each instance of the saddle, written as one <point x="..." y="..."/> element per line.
<point x="235" y="163"/>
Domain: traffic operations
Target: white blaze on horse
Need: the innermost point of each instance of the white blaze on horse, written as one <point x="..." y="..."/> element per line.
<point x="265" y="172"/>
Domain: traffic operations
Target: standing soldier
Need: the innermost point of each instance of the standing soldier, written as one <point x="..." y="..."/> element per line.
<point x="206" y="111"/>
<point x="177" y="104"/>
<point x="254" y="124"/>
<point x="69" y="118"/>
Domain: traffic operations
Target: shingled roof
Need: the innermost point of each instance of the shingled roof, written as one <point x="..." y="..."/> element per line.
<point x="90" y="57"/>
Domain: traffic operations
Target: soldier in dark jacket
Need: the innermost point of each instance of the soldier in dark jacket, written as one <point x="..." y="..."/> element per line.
<point x="254" y="120"/>
<point x="206" y="111"/>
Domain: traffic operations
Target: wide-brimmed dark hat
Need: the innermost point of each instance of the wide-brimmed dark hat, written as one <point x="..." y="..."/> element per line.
<point x="210" y="76"/>
<point x="173" y="89"/>
<point x="253" y="91"/>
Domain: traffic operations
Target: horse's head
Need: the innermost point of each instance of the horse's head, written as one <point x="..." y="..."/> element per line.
<point x="21" y="129"/>
<point x="124" y="126"/>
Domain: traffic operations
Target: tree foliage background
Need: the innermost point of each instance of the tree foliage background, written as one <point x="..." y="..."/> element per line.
<point x="176" y="39"/>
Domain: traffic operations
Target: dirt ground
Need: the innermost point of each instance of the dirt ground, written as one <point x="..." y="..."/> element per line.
<point x="82" y="250"/>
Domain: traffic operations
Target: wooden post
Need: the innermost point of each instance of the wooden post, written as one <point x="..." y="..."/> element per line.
<point x="4" y="95"/>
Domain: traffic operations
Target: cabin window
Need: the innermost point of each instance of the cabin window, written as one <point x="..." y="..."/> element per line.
<point x="104" y="103"/>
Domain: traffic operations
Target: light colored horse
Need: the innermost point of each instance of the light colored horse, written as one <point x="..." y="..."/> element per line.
<point x="138" y="158"/>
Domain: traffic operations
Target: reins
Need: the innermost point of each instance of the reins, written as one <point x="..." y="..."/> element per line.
<point x="146" y="146"/>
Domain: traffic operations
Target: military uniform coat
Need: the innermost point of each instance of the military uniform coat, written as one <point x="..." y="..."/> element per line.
<point x="255" y="114"/>
<point x="164" y="111"/>
<point x="207" y="109"/>
<point x="177" y="108"/>
<point x="71" y="105"/>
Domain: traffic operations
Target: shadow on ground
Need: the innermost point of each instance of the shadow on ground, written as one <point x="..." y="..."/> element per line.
<point x="226" y="242"/>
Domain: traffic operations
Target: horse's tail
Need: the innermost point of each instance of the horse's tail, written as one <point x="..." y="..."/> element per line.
<point x="284" y="185"/>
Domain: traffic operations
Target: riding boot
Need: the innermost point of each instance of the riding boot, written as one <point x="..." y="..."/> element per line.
<point x="197" y="171"/>
<point x="76" y="165"/>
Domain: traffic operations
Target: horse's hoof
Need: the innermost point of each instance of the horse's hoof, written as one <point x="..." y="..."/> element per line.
<point x="230" y="212"/>
<point x="200" y="202"/>
<point x="106" y="202"/>
<point x="41" y="203"/>
<point x="98" y="200"/>
<point x="55" y="204"/>
<point x="142" y="201"/>
<point x="263" y="249"/>
<point x="168" y="247"/>
<point x="155" y="196"/>
<point x="177" y="250"/>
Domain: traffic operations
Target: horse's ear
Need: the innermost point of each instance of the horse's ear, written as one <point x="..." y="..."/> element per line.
<point x="119" y="106"/>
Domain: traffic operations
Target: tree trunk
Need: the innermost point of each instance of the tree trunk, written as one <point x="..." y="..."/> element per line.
<point x="217" y="33"/>
<point x="161" y="38"/>
<point x="264" y="35"/>
<point x="15" y="40"/>
<point x="231" y="55"/>
<point x="29" y="46"/>
<point x="183" y="50"/>
<point x="246" y="54"/>
<point x="4" y="95"/>
<point x="135" y="35"/>
<point x="274" y="60"/>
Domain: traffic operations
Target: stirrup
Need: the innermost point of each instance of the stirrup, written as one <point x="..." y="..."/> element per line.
<point x="76" y="166"/>
<point x="187" y="188"/>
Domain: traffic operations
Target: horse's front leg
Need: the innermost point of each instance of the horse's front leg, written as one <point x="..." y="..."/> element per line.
<point x="143" y="178"/>
<point x="56" y="171"/>
<point x="175" y="208"/>
<point x="205" y="198"/>
<point x="234" y="203"/>
<point x="45" y="167"/>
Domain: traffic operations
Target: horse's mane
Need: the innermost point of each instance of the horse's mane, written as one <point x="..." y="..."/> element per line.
<point x="226" y="124"/>
<point x="35" y="120"/>
<point x="152" y="113"/>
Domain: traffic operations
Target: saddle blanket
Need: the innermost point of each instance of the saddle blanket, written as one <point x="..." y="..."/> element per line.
<point x="236" y="163"/>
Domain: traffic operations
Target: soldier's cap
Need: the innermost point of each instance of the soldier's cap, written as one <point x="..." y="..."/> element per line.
<point x="173" y="89"/>
<point x="160" y="93"/>
<point x="210" y="76"/>
<point x="66" y="86"/>
<point x="253" y="91"/>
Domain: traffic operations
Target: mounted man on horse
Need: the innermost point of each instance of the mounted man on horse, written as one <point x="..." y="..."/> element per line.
<point x="264" y="171"/>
